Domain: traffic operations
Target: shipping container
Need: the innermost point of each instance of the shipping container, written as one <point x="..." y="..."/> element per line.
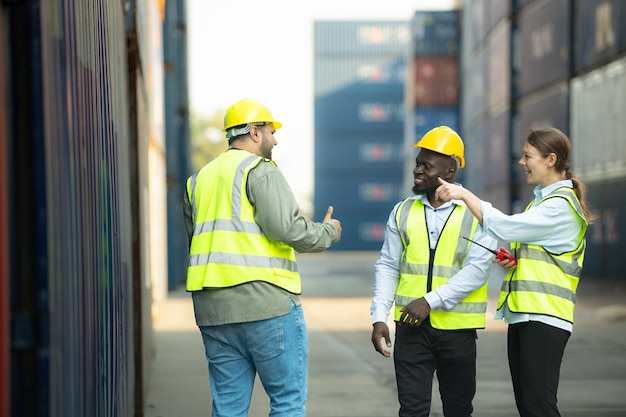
<point x="83" y="185"/>
<point x="476" y="155"/>
<point x="346" y="153"/>
<point x="498" y="59"/>
<point x="597" y="104"/>
<point x="5" y="267"/>
<point x="362" y="232"/>
<point x="606" y="237"/>
<point x="545" y="44"/>
<point x="599" y="32"/>
<point x="497" y="11"/>
<point x="177" y="136"/>
<point x="351" y="112"/>
<point x="361" y="193"/>
<point x="545" y="108"/>
<point x="351" y="38"/>
<point x="473" y="28"/>
<point x="497" y="132"/>
<point x="435" y="33"/>
<point x="474" y="84"/>
<point x="370" y="74"/>
<point x="427" y="118"/>
<point x="518" y="5"/>
<point x="435" y="80"/>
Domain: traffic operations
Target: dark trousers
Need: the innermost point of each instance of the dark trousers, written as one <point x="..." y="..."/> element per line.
<point x="535" y="353"/>
<point x="422" y="351"/>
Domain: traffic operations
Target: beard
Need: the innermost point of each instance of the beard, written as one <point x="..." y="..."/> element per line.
<point x="266" y="148"/>
<point x="424" y="190"/>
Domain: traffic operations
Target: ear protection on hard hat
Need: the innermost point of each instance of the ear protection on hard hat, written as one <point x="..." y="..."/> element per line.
<point x="445" y="141"/>
<point x="246" y="112"/>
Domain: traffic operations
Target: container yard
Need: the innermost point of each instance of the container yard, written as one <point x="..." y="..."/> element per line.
<point x="95" y="148"/>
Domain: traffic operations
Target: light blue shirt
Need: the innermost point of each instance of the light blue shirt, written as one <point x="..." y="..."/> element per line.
<point x="551" y="225"/>
<point x="473" y="274"/>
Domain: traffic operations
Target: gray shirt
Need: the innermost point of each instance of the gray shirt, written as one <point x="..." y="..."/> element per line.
<point x="277" y="213"/>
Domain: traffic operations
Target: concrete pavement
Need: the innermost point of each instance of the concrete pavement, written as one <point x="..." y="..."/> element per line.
<point x="347" y="378"/>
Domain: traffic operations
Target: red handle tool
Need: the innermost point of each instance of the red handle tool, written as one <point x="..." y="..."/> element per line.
<point x="500" y="254"/>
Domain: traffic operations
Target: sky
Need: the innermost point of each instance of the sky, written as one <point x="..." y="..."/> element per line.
<point x="264" y="50"/>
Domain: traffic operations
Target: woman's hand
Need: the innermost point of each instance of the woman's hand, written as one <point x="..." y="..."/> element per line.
<point x="504" y="263"/>
<point x="448" y="191"/>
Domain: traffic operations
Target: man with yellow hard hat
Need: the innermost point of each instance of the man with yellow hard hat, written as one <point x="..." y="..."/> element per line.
<point x="244" y="228"/>
<point x="436" y="282"/>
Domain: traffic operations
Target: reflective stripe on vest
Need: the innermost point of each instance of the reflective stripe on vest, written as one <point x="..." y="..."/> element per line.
<point x="450" y="253"/>
<point x="228" y="247"/>
<point x="543" y="282"/>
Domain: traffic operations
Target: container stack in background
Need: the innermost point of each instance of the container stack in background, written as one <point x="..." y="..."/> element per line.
<point x="597" y="128"/>
<point x="359" y="71"/>
<point x="486" y="108"/>
<point x="527" y="64"/>
<point x="432" y="87"/>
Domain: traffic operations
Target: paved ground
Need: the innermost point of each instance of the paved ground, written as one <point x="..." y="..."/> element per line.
<point x="347" y="378"/>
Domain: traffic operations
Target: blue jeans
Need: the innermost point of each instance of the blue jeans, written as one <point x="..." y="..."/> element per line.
<point x="277" y="349"/>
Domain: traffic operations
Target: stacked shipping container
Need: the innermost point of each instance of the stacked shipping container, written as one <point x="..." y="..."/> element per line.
<point x="597" y="125"/>
<point x="432" y="83"/>
<point x="82" y="201"/>
<point x="359" y="70"/>
<point x="486" y="98"/>
<point x="535" y="63"/>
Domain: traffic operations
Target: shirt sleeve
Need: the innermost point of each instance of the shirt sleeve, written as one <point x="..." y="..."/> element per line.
<point x="387" y="271"/>
<point x="550" y="224"/>
<point x="187" y="216"/>
<point x="473" y="274"/>
<point x="278" y="214"/>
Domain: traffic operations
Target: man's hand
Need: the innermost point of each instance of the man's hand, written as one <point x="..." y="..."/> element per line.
<point x="328" y="219"/>
<point x="380" y="332"/>
<point x="414" y="314"/>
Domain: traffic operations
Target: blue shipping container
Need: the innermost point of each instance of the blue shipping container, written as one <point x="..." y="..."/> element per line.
<point x="344" y="153"/>
<point x="349" y="111"/>
<point x="362" y="192"/>
<point x="361" y="233"/>
<point x="369" y="74"/>
<point x="360" y="37"/>
<point x="435" y="33"/>
<point x="426" y="118"/>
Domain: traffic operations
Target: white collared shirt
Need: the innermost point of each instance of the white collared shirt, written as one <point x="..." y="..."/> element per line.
<point x="473" y="274"/>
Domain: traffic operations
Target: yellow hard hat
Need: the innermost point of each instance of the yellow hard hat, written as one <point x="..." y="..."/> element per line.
<point x="248" y="111"/>
<point x="443" y="140"/>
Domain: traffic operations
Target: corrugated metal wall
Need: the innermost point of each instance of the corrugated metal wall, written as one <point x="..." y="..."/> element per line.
<point x="83" y="213"/>
<point x="88" y="218"/>
<point x="148" y="180"/>
<point x="177" y="136"/>
<point x="82" y="179"/>
<point x="5" y="342"/>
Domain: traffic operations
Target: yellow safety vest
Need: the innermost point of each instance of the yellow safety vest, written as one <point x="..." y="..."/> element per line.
<point x="228" y="247"/>
<point x="544" y="282"/>
<point x="418" y="276"/>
